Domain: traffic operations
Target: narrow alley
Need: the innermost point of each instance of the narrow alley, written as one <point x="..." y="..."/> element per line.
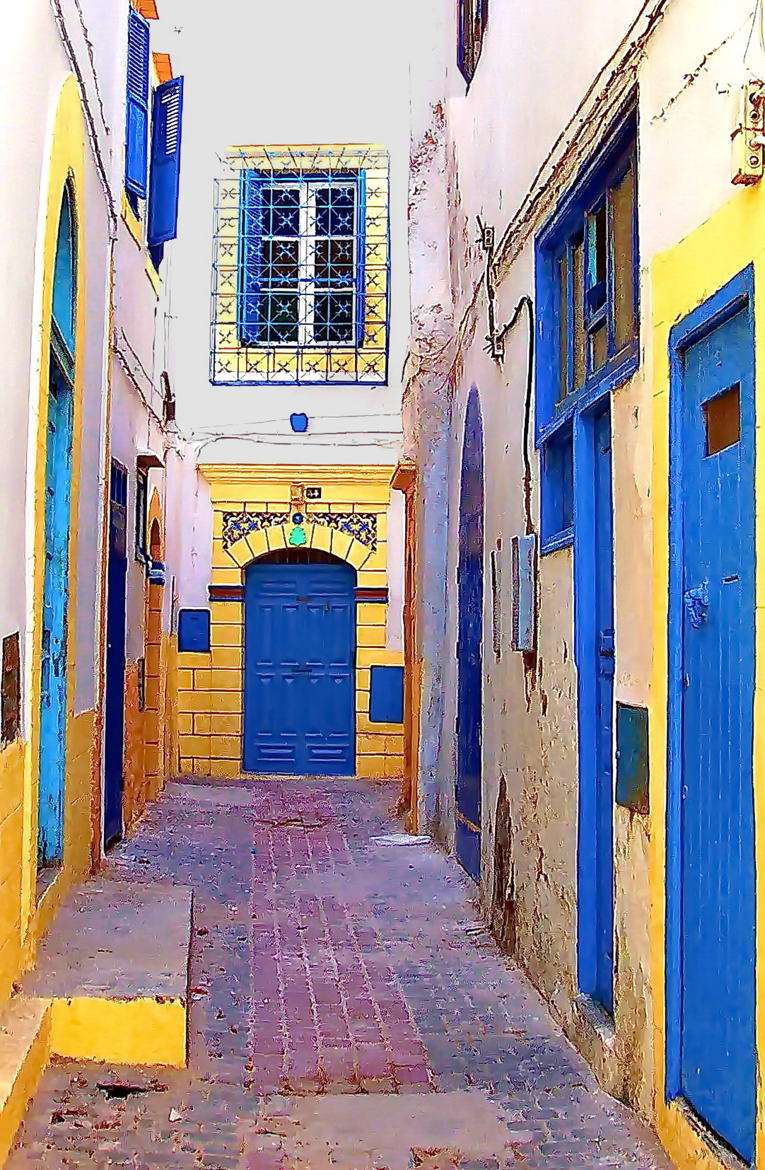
<point x="382" y="585"/>
<point x="350" y="1010"/>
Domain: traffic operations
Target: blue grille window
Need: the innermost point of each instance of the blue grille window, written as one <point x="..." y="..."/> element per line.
<point x="301" y="270"/>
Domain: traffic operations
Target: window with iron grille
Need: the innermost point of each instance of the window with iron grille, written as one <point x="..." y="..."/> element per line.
<point x="472" y="16"/>
<point x="301" y="267"/>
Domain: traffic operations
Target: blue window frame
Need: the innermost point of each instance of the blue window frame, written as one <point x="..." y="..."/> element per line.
<point x="137" y="107"/>
<point x="587" y="316"/>
<point x="472" y="17"/>
<point x="301" y="259"/>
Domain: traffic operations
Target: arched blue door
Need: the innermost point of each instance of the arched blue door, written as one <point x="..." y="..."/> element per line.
<point x="58" y="475"/>
<point x="469" y="648"/>
<point x="300" y="665"/>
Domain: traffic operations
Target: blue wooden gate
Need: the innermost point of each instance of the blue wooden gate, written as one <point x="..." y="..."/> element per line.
<point x="712" y="1061"/>
<point x="114" y="729"/>
<point x="595" y="651"/>
<point x="470" y="644"/>
<point x="299" y="667"/>
<point x="58" y="465"/>
<point x="58" y="494"/>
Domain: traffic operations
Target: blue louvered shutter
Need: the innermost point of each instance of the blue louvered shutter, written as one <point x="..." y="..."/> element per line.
<point x="164" y="186"/>
<point x="361" y="256"/>
<point x="137" y="123"/>
<point x="250" y="257"/>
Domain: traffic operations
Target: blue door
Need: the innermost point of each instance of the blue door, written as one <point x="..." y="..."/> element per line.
<point x="717" y="867"/>
<point x="114" y="722"/>
<point x="469" y="645"/>
<point x="50" y="835"/>
<point x="595" y="638"/>
<point x="299" y="669"/>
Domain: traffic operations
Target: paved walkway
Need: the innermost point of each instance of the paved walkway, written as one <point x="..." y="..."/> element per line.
<point x="349" y="1011"/>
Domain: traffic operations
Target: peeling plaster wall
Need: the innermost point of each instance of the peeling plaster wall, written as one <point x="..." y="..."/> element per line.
<point x="478" y="154"/>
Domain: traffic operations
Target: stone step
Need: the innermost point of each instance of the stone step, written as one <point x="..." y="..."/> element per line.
<point x="25" y="1027"/>
<point x="114" y="967"/>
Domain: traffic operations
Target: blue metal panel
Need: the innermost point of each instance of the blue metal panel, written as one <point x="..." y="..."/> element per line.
<point x="300" y="655"/>
<point x="166" y="134"/>
<point x="386" y="694"/>
<point x="114" y="728"/>
<point x="470" y="644"/>
<point x="137" y="104"/>
<point x="711" y="1055"/>
<point x="54" y="624"/>
<point x="194" y="631"/>
<point x="594" y="648"/>
<point x="632" y="789"/>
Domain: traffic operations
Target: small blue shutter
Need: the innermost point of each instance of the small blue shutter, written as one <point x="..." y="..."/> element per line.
<point x="137" y="124"/>
<point x="165" y="162"/>
<point x="361" y="256"/>
<point x="250" y="252"/>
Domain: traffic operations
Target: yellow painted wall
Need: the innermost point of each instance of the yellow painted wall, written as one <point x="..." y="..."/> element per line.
<point x="24" y="917"/>
<point x="210" y="686"/>
<point x="682" y="278"/>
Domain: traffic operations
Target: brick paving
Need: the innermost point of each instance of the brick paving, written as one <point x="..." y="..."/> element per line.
<point x="348" y="1010"/>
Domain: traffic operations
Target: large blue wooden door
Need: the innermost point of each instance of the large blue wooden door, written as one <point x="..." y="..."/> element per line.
<point x="595" y="649"/>
<point x="299" y="668"/>
<point x="717" y="866"/>
<point x="54" y="620"/>
<point x="114" y="728"/>
<point x="604" y="712"/>
<point x="469" y="645"/>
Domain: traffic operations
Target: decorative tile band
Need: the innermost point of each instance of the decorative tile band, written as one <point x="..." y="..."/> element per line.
<point x="236" y="593"/>
<point x="362" y="526"/>
<point x="372" y="595"/>
<point x="226" y="592"/>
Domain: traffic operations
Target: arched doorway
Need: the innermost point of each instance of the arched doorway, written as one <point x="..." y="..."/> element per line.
<point x="299" y="664"/>
<point x="469" y="656"/>
<point x="58" y="482"/>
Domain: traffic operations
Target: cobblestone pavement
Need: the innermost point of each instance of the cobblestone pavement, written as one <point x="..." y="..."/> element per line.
<point x="349" y="1010"/>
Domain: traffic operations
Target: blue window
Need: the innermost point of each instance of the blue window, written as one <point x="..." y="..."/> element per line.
<point x="587" y="318"/>
<point x="301" y="274"/>
<point x="472" y="16"/>
<point x="558" y="489"/>
<point x="164" y="184"/>
<point x="137" y="114"/>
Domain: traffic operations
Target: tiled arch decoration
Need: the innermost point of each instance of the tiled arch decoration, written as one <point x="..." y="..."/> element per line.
<point x="260" y="538"/>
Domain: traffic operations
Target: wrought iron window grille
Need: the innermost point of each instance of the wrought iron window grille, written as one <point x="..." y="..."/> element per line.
<point x="301" y="267"/>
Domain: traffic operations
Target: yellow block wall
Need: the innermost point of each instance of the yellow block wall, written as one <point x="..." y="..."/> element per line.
<point x="210" y="686"/>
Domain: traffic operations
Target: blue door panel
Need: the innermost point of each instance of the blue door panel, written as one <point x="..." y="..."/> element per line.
<point x="604" y="667"/>
<point x="470" y="644"/>
<point x="300" y="639"/>
<point x="717" y="914"/>
<point x="54" y="621"/>
<point x="114" y="727"/>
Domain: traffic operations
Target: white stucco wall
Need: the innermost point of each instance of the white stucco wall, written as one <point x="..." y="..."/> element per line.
<point x="479" y="153"/>
<point x="344" y="79"/>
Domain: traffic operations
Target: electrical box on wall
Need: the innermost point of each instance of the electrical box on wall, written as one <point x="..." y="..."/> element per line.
<point x="748" y="138"/>
<point x="524" y="562"/>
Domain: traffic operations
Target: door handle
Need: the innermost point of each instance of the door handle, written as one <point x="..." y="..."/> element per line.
<point x="697" y="604"/>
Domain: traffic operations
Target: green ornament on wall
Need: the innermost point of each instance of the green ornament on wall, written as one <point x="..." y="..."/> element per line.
<point x="298" y="536"/>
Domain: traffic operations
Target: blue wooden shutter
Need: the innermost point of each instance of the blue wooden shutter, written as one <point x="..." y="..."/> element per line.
<point x="165" y="162"/>
<point x="137" y="124"/>
<point x="250" y="257"/>
<point x="361" y="256"/>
